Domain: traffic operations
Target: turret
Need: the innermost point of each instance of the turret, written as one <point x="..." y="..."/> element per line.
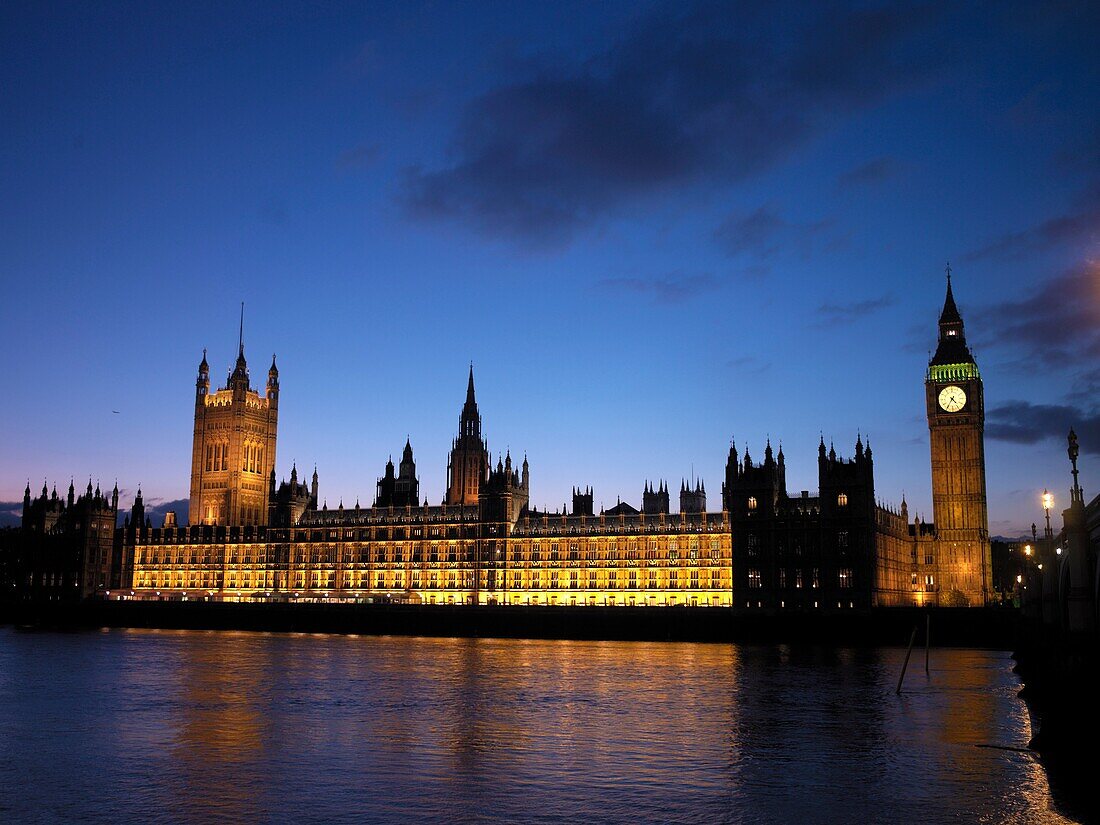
<point x="582" y="502"/>
<point x="238" y="379"/>
<point x="693" y="500"/>
<point x="202" y="383"/>
<point x="313" y="487"/>
<point x="273" y="382"/>
<point x="137" y="512"/>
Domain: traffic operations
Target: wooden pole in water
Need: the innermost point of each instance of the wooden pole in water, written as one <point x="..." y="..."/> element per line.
<point x="927" y="639"/>
<point x="908" y="653"/>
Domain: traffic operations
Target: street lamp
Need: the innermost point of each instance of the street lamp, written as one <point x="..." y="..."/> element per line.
<point x="1048" y="505"/>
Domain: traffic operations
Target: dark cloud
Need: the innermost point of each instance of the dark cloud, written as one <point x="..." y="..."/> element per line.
<point x="666" y="290"/>
<point x="870" y="173"/>
<point x="1057" y="324"/>
<point x="11" y="513"/>
<point x="1022" y="422"/>
<point x="154" y="508"/>
<point x="714" y="91"/>
<point x="835" y="314"/>
<point x="1077" y="226"/>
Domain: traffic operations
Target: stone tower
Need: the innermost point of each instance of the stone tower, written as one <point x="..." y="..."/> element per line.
<point x="233" y="455"/>
<point x="956" y="423"/>
<point x="468" y="465"/>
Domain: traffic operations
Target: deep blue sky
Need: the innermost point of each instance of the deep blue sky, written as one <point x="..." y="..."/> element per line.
<point x="652" y="227"/>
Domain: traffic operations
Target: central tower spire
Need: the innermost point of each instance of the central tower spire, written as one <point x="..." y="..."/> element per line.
<point x="469" y="460"/>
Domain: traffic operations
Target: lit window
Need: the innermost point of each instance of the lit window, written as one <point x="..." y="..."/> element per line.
<point x="842" y="500"/>
<point x="752" y="502"/>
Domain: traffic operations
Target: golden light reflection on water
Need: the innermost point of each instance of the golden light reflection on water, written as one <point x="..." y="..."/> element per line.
<point x="264" y="726"/>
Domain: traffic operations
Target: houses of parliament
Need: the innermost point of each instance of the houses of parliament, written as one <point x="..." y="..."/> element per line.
<point x="253" y="537"/>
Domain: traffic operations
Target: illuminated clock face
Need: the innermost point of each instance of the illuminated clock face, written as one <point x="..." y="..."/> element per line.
<point x="952" y="399"/>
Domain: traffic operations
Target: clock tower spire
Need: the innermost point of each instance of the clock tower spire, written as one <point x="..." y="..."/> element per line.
<point x="955" y="406"/>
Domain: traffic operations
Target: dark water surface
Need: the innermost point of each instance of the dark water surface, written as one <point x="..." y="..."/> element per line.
<point x="203" y="726"/>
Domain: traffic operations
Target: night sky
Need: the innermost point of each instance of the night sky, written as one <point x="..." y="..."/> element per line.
<point x="651" y="227"/>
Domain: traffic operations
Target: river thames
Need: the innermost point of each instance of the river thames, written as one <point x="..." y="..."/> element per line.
<point x="182" y="726"/>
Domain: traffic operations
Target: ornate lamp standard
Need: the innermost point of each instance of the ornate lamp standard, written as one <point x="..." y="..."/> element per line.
<point x="1048" y="505"/>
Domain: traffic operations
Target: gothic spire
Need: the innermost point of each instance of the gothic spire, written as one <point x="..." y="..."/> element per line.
<point x="950" y="313"/>
<point x="952" y="348"/>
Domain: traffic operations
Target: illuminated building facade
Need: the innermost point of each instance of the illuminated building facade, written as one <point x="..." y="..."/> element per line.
<point x="956" y="423"/>
<point x="485" y="543"/>
<point x="233" y="453"/>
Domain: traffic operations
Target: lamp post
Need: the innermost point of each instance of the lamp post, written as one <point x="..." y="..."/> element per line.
<point x="1048" y="505"/>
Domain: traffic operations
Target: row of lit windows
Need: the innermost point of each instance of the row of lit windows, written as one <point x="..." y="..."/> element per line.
<point x="795" y="579"/>
<point x="841" y="501"/>
<point x="435" y="581"/>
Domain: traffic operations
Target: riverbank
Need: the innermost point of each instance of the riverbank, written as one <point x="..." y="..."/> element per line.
<point x="1061" y="672"/>
<point x="984" y="628"/>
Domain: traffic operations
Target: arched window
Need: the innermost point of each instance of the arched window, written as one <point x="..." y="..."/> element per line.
<point x="842" y="500"/>
<point x="752" y="502"/>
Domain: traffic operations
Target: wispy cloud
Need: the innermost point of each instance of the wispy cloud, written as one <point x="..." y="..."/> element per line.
<point x="1057" y="324"/>
<point x="668" y="289"/>
<point x="870" y="173"/>
<point x="360" y="157"/>
<point x="1078" y="226"/>
<point x="749" y="365"/>
<point x="763" y="232"/>
<point x="836" y="314"/>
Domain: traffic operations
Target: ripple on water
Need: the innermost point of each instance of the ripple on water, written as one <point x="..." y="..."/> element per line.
<point x="183" y="726"/>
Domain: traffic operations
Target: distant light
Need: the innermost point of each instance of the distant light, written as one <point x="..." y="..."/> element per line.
<point x="1048" y="500"/>
<point x="1058" y="550"/>
<point x="1019" y="579"/>
<point x="1027" y="549"/>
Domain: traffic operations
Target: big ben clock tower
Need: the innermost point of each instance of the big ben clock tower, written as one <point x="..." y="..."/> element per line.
<point x="956" y="424"/>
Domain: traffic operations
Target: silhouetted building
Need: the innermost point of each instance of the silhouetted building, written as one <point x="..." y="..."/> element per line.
<point x="655" y="501"/>
<point x="65" y="548"/>
<point x="402" y="490"/>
